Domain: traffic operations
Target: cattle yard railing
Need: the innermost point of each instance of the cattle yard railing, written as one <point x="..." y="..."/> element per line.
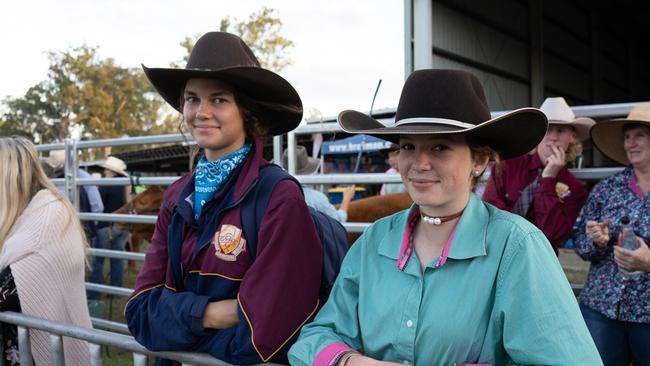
<point x="96" y="337"/>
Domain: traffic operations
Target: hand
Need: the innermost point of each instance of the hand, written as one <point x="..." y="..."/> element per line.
<point x="598" y="232"/>
<point x="221" y="314"/>
<point x="348" y="195"/>
<point x="554" y="163"/>
<point x="349" y="192"/>
<point x="633" y="260"/>
<point x="361" y="360"/>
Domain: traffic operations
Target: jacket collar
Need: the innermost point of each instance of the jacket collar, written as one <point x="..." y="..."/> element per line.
<point x="469" y="240"/>
<point x="235" y="187"/>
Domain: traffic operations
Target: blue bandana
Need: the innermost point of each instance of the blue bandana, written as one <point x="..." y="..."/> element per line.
<point x="210" y="175"/>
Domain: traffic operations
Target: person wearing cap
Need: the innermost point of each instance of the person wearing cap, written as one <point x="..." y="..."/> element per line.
<point x="42" y="259"/>
<point x="388" y="188"/>
<point x="199" y="290"/>
<point x="617" y="307"/>
<point x="539" y="186"/>
<point x="453" y="280"/>
<point x="109" y="236"/>
<point x="306" y="165"/>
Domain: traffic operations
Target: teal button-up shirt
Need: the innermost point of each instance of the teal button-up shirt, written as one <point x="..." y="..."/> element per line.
<point x="500" y="298"/>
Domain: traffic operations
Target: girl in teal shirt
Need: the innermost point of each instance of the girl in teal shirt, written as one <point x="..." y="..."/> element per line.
<point x="453" y="280"/>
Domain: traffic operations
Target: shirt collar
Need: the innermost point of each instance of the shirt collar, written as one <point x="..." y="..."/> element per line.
<point x="469" y="241"/>
<point x="634" y="185"/>
<point x="535" y="161"/>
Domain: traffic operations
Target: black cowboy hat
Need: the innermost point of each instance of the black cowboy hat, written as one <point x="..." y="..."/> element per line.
<point x="224" y="56"/>
<point x="440" y="102"/>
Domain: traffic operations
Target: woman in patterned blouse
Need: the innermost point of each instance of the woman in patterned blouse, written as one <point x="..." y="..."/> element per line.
<point x="616" y="307"/>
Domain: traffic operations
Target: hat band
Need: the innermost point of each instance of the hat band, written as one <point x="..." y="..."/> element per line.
<point x="443" y="121"/>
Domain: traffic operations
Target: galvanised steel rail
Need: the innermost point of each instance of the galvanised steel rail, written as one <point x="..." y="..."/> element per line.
<point x="96" y="338"/>
<point x="118" y="254"/>
<point x="122" y="141"/>
<point x="352" y="227"/>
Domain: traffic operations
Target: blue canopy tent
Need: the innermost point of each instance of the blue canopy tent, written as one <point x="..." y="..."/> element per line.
<point x="354" y="144"/>
<point x="344" y="156"/>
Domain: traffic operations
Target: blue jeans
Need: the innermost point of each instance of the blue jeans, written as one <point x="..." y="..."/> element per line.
<point x="618" y="342"/>
<point x="108" y="238"/>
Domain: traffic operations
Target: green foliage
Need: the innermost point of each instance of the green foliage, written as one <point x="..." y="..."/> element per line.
<point x="261" y="32"/>
<point x="82" y="92"/>
<point x="99" y="99"/>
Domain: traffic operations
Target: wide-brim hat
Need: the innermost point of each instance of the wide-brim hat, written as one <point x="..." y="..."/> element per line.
<point x="608" y="135"/>
<point x="444" y="102"/>
<point x="305" y="164"/>
<point x="56" y="159"/>
<point x="114" y="164"/>
<point x="224" y="56"/>
<point x="558" y="112"/>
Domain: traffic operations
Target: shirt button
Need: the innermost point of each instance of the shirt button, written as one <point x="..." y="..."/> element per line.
<point x="409" y="323"/>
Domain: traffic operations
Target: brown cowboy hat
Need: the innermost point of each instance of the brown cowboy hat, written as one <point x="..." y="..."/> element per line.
<point x="558" y="112"/>
<point x="440" y="102"/>
<point x="608" y="135"/>
<point x="224" y="56"/>
<point x="304" y="163"/>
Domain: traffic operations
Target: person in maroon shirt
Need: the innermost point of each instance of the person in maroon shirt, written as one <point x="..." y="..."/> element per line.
<point x="538" y="186"/>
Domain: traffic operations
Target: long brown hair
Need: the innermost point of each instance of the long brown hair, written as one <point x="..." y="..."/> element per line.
<point x="254" y="112"/>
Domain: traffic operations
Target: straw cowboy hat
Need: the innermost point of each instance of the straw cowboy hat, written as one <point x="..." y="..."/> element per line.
<point x="305" y="164"/>
<point x="114" y="164"/>
<point x="558" y="112"/>
<point x="442" y="102"/>
<point x="56" y="159"/>
<point x="224" y="56"/>
<point x="608" y="135"/>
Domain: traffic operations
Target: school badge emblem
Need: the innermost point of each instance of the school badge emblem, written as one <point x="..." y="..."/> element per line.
<point x="228" y="243"/>
<point x="562" y="190"/>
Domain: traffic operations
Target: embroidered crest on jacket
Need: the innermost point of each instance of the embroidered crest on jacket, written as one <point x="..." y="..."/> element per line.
<point x="228" y="243"/>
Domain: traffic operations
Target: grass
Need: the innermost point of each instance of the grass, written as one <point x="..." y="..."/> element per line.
<point x="112" y="308"/>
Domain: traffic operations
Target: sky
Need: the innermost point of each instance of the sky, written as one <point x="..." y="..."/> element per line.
<point x="341" y="47"/>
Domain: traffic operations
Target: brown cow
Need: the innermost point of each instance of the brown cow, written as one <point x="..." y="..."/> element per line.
<point x="145" y="203"/>
<point x="370" y="209"/>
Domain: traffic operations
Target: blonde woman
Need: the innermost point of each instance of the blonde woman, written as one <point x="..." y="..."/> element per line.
<point x="42" y="255"/>
<point x="539" y="186"/>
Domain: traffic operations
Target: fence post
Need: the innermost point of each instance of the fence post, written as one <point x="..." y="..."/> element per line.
<point x="24" y="346"/>
<point x="95" y="354"/>
<point x="139" y="359"/>
<point x="70" y="172"/>
<point x="277" y="151"/>
<point x="56" y="350"/>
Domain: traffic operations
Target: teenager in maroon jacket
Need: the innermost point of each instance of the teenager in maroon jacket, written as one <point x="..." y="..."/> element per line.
<point x="538" y="186"/>
<point x="199" y="290"/>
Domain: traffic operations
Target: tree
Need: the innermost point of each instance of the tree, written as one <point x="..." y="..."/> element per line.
<point x="83" y="93"/>
<point x="261" y="32"/>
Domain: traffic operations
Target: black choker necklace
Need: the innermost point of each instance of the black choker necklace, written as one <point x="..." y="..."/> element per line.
<point x="439" y="220"/>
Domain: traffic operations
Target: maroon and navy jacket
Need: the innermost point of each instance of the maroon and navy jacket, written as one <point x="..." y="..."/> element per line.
<point x="557" y="201"/>
<point x="277" y="293"/>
